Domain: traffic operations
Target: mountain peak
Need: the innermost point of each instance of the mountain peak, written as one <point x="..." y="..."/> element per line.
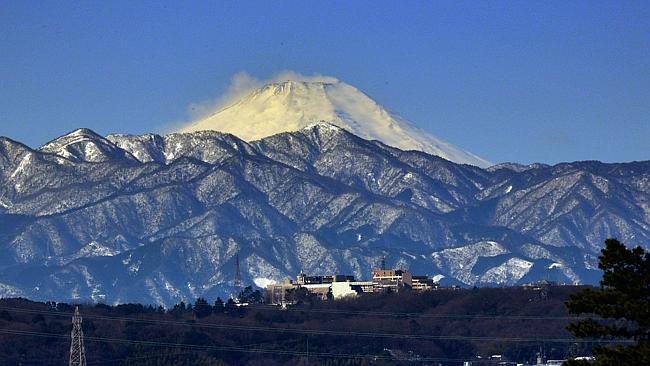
<point x="323" y="126"/>
<point x="297" y="85"/>
<point x="85" y="132"/>
<point x="292" y="105"/>
<point x="84" y="144"/>
<point x="306" y="90"/>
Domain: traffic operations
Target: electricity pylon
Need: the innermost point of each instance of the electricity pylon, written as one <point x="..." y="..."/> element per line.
<point x="238" y="281"/>
<point x="77" y="351"/>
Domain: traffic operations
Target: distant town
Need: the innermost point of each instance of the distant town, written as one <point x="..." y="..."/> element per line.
<point x="336" y="287"/>
<point x="340" y="286"/>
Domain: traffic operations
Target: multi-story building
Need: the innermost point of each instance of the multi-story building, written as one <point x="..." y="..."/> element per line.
<point x="277" y="294"/>
<point x="321" y="290"/>
<point x="391" y="280"/>
<point x="340" y="286"/>
<point x="422" y="283"/>
<point x="303" y="279"/>
<point x="321" y="286"/>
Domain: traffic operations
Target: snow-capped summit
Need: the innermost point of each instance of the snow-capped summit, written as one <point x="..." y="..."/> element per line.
<point x="294" y="105"/>
<point x="85" y="145"/>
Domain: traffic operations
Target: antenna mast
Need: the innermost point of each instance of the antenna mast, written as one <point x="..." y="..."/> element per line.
<point x="238" y="281"/>
<point x="77" y="350"/>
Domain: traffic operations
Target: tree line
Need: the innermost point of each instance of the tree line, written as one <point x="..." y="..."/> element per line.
<point x="428" y="328"/>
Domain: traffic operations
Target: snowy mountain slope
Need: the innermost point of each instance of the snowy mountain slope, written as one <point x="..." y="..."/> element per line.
<point x="407" y="175"/>
<point x="161" y="218"/>
<point x="85" y="145"/>
<point x="207" y="146"/>
<point x="576" y="204"/>
<point x="293" y="105"/>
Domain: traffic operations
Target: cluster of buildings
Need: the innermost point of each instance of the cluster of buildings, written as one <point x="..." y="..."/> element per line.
<point x="340" y="286"/>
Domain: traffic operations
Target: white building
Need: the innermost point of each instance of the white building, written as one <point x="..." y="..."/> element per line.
<point x="350" y="288"/>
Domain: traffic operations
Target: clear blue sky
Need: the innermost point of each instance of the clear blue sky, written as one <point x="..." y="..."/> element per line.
<point x="509" y="81"/>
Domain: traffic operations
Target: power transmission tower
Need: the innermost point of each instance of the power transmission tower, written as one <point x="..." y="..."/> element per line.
<point x="238" y="281"/>
<point x="77" y="351"/>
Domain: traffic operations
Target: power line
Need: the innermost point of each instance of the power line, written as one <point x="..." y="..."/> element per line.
<point x="103" y="362"/>
<point x="323" y="332"/>
<point x="198" y="347"/>
<point x="416" y="315"/>
<point x="404" y="314"/>
<point x="47" y="361"/>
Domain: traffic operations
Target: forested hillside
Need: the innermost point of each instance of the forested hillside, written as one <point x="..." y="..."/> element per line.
<point x="446" y="326"/>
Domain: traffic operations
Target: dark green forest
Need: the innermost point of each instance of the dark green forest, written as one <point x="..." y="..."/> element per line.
<point x="436" y="327"/>
<point x="618" y="309"/>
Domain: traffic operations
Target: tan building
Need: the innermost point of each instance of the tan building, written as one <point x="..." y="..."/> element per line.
<point x="391" y="280"/>
<point x="277" y="293"/>
<point x="321" y="286"/>
<point x="422" y="283"/>
<point x="341" y="286"/>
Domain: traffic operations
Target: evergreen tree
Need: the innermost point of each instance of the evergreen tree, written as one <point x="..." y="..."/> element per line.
<point x="230" y="305"/>
<point x="250" y="296"/>
<point x="218" y="306"/>
<point x="202" y="308"/>
<point x="231" y="308"/>
<point x="179" y="309"/>
<point x="623" y="304"/>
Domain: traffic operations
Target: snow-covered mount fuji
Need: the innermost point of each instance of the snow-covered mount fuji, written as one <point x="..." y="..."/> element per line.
<point x="293" y="105"/>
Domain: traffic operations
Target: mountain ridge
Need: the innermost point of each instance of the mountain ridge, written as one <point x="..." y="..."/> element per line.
<point x="167" y="224"/>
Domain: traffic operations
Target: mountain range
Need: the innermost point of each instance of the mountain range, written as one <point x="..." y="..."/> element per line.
<point x="159" y="219"/>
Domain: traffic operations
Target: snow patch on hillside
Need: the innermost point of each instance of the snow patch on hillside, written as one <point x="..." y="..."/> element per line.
<point x="507" y="273"/>
<point x="95" y="249"/>
<point x="460" y="261"/>
<point x="263" y="282"/>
